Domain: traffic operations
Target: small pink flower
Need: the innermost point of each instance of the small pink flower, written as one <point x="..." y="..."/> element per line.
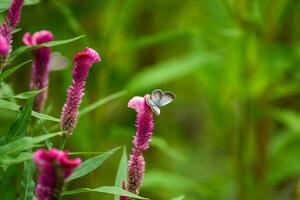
<point x="83" y="61"/>
<point x="40" y="65"/>
<point x="54" y="168"/>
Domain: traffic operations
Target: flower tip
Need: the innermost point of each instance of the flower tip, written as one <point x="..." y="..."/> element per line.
<point x="4" y="47"/>
<point x="89" y="56"/>
<point x="93" y="54"/>
<point x="136" y="103"/>
<point x="37" y="38"/>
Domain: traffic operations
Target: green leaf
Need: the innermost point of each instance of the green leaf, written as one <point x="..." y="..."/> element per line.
<point x="167" y="71"/>
<point x="101" y="102"/>
<point x="43" y="116"/>
<point x="4" y="4"/>
<point x="26" y="95"/>
<point x="122" y="172"/>
<point x="91" y="164"/>
<point x="48" y="143"/>
<point x="27" y="184"/>
<point x="24" y="49"/>
<point x="181" y="197"/>
<point x="105" y="189"/>
<point x="24" y="143"/>
<point x="9" y="160"/>
<point x="19" y="127"/>
<point x="12" y="70"/>
<point x="14" y="107"/>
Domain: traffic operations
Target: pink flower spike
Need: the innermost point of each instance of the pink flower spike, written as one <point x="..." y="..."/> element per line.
<point x="8" y="26"/>
<point x="144" y="130"/>
<point x="83" y="61"/>
<point x="40" y="66"/>
<point x="54" y="168"/>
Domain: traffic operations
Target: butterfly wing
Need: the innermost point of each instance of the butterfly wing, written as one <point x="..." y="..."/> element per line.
<point x="156" y="95"/>
<point x="153" y="106"/>
<point x="167" y="98"/>
<point x="58" y="62"/>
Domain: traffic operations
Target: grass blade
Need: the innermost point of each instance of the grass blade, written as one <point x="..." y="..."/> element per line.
<point x="91" y="164"/>
<point x="122" y="172"/>
<point x="12" y="70"/>
<point x="105" y="189"/>
<point x="27" y="184"/>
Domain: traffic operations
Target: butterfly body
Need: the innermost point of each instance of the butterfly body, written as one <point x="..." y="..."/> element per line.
<point x="158" y="98"/>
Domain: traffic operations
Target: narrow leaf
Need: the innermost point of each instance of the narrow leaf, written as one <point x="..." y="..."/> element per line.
<point x="91" y="164"/>
<point x="122" y="172"/>
<point x="9" y="160"/>
<point x="25" y="95"/>
<point x="105" y="189"/>
<point x="101" y="102"/>
<point x="24" y="143"/>
<point x="19" y="127"/>
<point x="48" y="143"/>
<point x="24" y="49"/>
<point x="12" y="70"/>
<point x="27" y="184"/>
<point x="14" y="107"/>
<point x="43" y="116"/>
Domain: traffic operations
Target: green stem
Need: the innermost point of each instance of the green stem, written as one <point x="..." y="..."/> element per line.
<point x="63" y="143"/>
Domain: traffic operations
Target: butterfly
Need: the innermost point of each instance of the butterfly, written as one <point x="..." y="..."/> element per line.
<point x="58" y="62"/>
<point x="158" y="98"/>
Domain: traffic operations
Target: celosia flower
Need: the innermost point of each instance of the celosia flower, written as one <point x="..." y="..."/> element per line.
<point x="54" y="168"/>
<point x="83" y="61"/>
<point x="144" y="130"/>
<point x="9" y="24"/>
<point x="40" y="65"/>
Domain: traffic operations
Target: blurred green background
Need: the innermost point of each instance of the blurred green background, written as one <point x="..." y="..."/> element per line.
<point x="232" y="133"/>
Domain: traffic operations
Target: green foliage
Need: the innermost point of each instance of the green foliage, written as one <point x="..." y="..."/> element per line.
<point x="105" y="189"/>
<point x="27" y="183"/>
<point x="122" y="172"/>
<point x="12" y="70"/>
<point x="91" y="164"/>
<point x="23" y="143"/>
<point x="25" y="49"/>
<point x="20" y="126"/>
<point x="25" y="95"/>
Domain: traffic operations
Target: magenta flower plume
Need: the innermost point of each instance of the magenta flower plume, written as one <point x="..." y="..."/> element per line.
<point x="83" y="61"/>
<point x="144" y="130"/>
<point x="40" y="65"/>
<point x="9" y="24"/>
<point x="54" y="168"/>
